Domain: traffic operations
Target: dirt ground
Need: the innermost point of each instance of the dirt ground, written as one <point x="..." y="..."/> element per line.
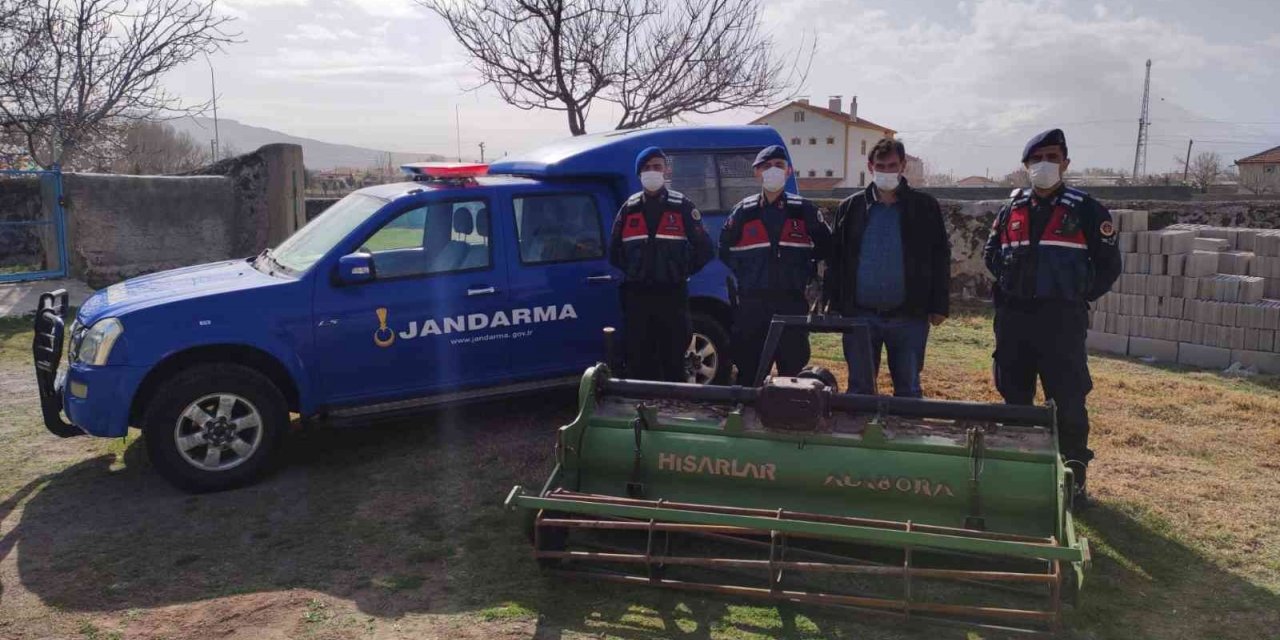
<point x="397" y="530"/>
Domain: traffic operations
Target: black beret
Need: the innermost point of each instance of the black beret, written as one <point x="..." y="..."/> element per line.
<point x="771" y="152"/>
<point x="1045" y="139"/>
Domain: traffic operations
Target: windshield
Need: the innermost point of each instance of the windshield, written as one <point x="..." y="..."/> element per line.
<point x="310" y="243"/>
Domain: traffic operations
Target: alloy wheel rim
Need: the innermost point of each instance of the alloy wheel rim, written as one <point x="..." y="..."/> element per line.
<point x="701" y="361"/>
<point x="218" y="432"/>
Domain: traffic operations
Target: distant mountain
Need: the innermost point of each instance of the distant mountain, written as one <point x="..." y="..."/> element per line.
<point x="315" y="153"/>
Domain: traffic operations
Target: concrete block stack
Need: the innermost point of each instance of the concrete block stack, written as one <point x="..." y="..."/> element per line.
<point x="1194" y="294"/>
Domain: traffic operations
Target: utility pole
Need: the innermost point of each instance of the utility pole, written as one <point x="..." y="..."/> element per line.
<point x="481" y="153"/>
<point x="213" y="89"/>
<point x="1140" y="153"/>
<point x="1186" y="166"/>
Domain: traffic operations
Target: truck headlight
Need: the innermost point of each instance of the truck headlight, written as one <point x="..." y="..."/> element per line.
<point x="96" y="345"/>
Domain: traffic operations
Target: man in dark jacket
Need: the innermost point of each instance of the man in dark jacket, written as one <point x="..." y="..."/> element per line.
<point x="658" y="242"/>
<point x="1052" y="251"/>
<point x="771" y="241"/>
<point x="891" y="268"/>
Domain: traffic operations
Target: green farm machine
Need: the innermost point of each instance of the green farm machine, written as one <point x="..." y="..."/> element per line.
<point x="939" y="511"/>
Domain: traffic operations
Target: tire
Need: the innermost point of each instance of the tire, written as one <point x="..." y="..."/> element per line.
<point x="821" y="374"/>
<point x="711" y="339"/>
<point x="239" y="408"/>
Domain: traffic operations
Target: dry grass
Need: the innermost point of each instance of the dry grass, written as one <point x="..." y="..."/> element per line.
<point x="396" y="531"/>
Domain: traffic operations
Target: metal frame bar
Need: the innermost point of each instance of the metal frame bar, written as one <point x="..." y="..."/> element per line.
<point x="811" y="324"/>
<point x="1036" y="621"/>
<point x="850" y="530"/>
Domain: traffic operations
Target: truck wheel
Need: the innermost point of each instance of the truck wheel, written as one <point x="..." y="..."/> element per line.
<point x="215" y="427"/>
<point x="707" y="361"/>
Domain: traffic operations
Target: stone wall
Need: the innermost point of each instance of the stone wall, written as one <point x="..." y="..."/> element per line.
<point x="122" y="226"/>
<point x="969" y="224"/>
<point x="1153" y="192"/>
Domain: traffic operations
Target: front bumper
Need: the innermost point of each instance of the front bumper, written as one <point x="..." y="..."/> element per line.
<point x="95" y="400"/>
<point x="46" y="352"/>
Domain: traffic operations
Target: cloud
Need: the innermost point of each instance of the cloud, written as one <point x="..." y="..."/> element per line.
<point x="370" y="64"/>
<point x="1004" y="69"/>
<point x="311" y="32"/>
<point x="389" y="8"/>
<point x="246" y="4"/>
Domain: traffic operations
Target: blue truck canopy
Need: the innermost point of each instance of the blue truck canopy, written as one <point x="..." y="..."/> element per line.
<point x="613" y="153"/>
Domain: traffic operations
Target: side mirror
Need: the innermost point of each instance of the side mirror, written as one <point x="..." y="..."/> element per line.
<point x="355" y="268"/>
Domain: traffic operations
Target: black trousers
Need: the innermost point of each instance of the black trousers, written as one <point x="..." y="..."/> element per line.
<point x="751" y="326"/>
<point x="1047" y="339"/>
<point x="657" y="332"/>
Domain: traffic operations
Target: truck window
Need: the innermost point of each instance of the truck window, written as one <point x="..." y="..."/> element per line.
<point x="714" y="181"/>
<point x="311" y="242"/>
<point x="444" y="237"/>
<point x="558" y="228"/>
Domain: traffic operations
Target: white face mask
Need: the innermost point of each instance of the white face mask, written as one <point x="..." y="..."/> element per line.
<point x="652" y="180"/>
<point x="885" y="181"/>
<point x="1044" y="175"/>
<point x="773" y="179"/>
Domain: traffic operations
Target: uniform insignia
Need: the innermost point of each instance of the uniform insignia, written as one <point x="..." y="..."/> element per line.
<point x="1107" y="229"/>
<point x="1015" y="225"/>
<point x="697" y="215"/>
<point x="1069" y="225"/>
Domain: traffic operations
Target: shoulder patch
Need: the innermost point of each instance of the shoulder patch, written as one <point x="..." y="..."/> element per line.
<point x="749" y="201"/>
<point x="1107" y="229"/>
<point x="697" y="215"/>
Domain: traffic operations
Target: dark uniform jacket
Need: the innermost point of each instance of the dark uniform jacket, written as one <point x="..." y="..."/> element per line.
<point x="660" y="241"/>
<point x="1062" y="248"/>
<point x="926" y="253"/>
<point x="774" y="260"/>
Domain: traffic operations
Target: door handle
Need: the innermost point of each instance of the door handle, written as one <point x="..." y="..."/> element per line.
<point x="603" y="278"/>
<point x="481" y="291"/>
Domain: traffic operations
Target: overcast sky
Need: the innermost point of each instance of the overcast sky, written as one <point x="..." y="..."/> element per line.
<point x="965" y="83"/>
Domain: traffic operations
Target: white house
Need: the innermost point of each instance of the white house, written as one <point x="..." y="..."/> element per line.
<point x="828" y="146"/>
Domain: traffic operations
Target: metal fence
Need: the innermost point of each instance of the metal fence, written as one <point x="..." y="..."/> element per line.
<point x="33" y="234"/>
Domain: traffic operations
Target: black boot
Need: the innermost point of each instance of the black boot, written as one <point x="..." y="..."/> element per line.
<point x="1080" y="498"/>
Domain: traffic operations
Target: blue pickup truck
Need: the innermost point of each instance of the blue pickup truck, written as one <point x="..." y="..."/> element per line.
<point x="448" y="288"/>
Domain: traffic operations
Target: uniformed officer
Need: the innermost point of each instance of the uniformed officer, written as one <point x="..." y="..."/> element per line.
<point x="658" y="242"/>
<point x="1052" y="250"/>
<point x="772" y="242"/>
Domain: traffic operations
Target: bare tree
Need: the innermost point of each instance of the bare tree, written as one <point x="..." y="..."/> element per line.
<point x="1205" y="169"/>
<point x="655" y="60"/>
<point x="151" y="148"/>
<point x="73" y="72"/>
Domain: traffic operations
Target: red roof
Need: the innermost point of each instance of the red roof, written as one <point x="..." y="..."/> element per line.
<point x="977" y="181"/>
<point x="1269" y="156"/>
<point x="834" y="115"/>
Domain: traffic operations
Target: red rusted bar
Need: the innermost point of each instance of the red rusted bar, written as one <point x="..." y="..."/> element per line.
<point x="744" y="563"/>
